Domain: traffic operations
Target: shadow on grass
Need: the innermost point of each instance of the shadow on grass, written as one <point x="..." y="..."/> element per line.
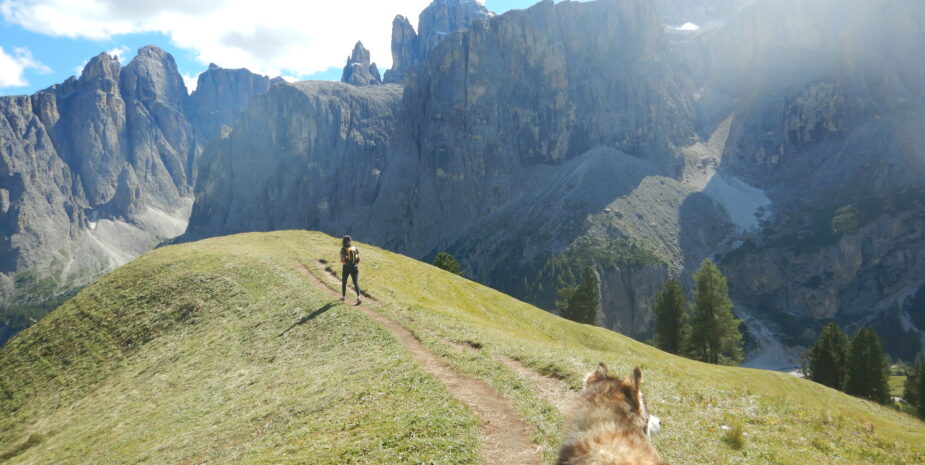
<point x="311" y="316"/>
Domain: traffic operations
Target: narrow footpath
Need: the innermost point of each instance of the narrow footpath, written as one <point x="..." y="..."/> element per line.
<point x="505" y="436"/>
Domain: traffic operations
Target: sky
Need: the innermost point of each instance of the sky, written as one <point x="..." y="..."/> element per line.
<point x="43" y="42"/>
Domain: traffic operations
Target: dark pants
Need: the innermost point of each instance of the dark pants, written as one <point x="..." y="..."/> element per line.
<point x="353" y="271"/>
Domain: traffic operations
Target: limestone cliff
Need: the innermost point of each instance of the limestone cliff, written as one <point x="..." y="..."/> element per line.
<point x="100" y="169"/>
<point x="305" y="155"/>
<point x="220" y="95"/>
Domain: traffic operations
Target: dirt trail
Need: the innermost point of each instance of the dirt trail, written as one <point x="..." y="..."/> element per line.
<point x="505" y="436"/>
<point x="552" y="390"/>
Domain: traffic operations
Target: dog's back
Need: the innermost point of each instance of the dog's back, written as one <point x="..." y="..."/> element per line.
<point x="610" y="426"/>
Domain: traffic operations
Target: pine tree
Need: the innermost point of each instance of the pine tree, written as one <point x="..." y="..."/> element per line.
<point x="922" y="394"/>
<point x="587" y="297"/>
<point x="447" y="262"/>
<point x="563" y="297"/>
<point x="868" y="368"/>
<point x="669" y="317"/>
<point x="582" y="302"/>
<point x="826" y="362"/>
<point x="912" y="388"/>
<point x="715" y="336"/>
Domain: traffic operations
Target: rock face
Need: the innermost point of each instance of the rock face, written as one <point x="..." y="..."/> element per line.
<point x="404" y="50"/>
<point x="359" y="71"/>
<point x="439" y="20"/>
<point x="527" y="89"/>
<point x="325" y="144"/>
<point x="220" y="95"/>
<point x="443" y="18"/>
<point x="99" y="169"/>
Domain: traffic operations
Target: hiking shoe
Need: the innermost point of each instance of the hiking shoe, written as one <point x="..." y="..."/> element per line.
<point x="359" y="301"/>
<point x="342" y="298"/>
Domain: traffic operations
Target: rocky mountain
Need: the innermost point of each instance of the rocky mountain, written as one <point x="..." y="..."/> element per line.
<point x="99" y="169"/>
<point x="540" y="141"/>
<point x="439" y="20"/>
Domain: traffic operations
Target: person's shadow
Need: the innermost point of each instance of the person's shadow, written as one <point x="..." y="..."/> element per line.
<point x="311" y="316"/>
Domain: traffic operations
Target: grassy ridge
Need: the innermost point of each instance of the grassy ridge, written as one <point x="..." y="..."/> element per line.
<point x="220" y="351"/>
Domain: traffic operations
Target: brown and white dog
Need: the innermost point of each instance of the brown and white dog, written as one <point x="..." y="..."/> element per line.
<point x="611" y="423"/>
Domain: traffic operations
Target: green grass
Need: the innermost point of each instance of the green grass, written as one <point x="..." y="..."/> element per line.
<point x="897" y="385"/>
<point x="218" y="352"/>
<point x="178" y="358"/>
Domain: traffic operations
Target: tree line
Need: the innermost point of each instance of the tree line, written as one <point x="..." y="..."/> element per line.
<point x="859" y="366"/>
<point x="705" y="330"/>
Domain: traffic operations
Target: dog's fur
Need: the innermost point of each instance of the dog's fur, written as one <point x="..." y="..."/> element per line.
<point x="611" y="424"/>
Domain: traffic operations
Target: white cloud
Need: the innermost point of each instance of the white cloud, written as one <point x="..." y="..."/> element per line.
<point x="118" y="52"/>
<point x="688" y="27"/>
<point x="80" y="69"/>
<point x="272" y="37"/>
<point x="13" y="67"/>
<point x="191" y="82"/>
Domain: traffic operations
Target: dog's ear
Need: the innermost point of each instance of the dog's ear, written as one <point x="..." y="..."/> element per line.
<point x="636" y="381"/>
<point x="599" y="373"/>
<point x="637" y="378"/>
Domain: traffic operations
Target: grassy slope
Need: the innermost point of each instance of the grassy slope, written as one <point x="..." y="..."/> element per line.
<point x="180" y="361"/>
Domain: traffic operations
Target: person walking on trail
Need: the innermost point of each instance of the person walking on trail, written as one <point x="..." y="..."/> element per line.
<point x="350" y="257"/>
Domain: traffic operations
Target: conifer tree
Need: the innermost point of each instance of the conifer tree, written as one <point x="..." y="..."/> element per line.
<point x="563" y="296"/>
<point x="447" y="262"/>
<point x="715" y="336"/>
<point x="669" y="317"/>
<point x="912" y="388"/>
<point x="868" y="368"/>
<point x="922" y="394"/>
<point x="826" y="362"/>
<point x="581" y="303"/>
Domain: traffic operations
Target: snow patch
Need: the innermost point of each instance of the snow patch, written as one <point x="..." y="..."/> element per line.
<point x="745" y="204"/>
<point x="688" y="27"/>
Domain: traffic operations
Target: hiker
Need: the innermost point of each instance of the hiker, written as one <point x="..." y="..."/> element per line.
<point x="350" y="257"/>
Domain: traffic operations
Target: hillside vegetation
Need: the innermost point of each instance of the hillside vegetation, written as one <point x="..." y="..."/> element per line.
<point x="220" y="351"/>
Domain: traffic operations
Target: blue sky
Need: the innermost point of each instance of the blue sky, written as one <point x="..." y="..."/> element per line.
<point x="43" y="42"/>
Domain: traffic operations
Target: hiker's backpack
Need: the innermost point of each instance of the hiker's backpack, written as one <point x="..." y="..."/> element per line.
<point x="351" y="256"/>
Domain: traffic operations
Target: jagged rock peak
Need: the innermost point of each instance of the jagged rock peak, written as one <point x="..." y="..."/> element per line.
<point x="404" y="49"/>
<point x="221" y="94"/>
<point x="153" y="75"/>
<point x="359" y="71"/>
<point x="444" y="17"/>
<point x="440" y="19"/>
<point x="359" y="54"/>
<point x="103" y="65"/>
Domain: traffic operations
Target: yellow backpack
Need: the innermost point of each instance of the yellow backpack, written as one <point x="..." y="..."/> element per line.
<point x="351" y="256"/>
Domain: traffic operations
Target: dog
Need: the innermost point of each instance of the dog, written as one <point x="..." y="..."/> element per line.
<point x="611" y="424"/>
